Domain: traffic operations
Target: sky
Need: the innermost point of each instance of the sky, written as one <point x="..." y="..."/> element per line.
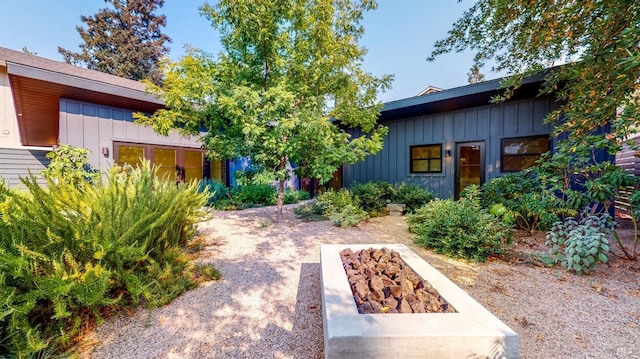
<point x="399" y="35"/>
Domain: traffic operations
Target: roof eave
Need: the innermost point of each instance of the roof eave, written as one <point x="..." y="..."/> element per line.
<point x="75" y="81"/>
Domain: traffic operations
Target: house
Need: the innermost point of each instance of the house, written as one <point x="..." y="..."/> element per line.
<point x="446" y="140"/>
<point x="44" y="103"/>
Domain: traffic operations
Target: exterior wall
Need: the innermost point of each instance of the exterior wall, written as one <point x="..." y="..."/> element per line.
<point x="16" y="163"/>
<point x="94" y="127"/>
<point x="9" y="133"/>
<point x="626" y="160"/>
<point x="489" y="123"/>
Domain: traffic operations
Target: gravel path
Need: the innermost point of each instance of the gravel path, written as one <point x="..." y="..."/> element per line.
<point x="268" y="303"/>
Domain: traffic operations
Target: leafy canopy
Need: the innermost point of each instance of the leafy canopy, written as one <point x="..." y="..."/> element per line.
<point x="125" y="40"/>
<point x="288" y="87"/>
<point x="598" y="40"/>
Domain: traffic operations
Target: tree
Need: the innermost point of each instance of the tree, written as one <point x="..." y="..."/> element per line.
<point x="598" y="42"/>
<point x="474" y="75"/>
<point x="27" y="51"/>
<point x="288" y="87"/>
<point x="125" y="41"/>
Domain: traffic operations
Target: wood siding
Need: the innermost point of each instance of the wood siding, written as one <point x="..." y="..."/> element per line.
<point x="489" y="123"/>
<point x="626" y="160"/>
<point x="95" y="127"/>
<point x="16" y="163"/>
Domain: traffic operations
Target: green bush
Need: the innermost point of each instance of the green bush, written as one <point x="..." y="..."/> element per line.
<point x="373" y="196"/>
<point x="580" y="245"/>
<point x="348" y="216"/>
<point x="312" y="211"/>
<point x="341" y="207"/>
<point x="532" y="205"/>
<point x="291" y="196"/>
<point x="255" y="194"/>
<point x="70" y="164"/>
<point x="70" y="252"/>
<point x="412" y="195"/>
<point x="458" y="229"/>
<point x="216" y="190"/>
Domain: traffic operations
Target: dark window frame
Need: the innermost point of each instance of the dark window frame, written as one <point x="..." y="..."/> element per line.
<point x="428" y="159"/>
<point x="531" y="154"/>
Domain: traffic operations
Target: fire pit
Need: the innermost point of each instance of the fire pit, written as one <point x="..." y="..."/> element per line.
<point x="469" y="332"/>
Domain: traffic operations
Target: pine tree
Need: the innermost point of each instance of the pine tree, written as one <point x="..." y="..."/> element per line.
<point x="124" y="41"/>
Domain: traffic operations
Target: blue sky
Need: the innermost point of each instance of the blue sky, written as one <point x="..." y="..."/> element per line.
<point x="399" y="36"/>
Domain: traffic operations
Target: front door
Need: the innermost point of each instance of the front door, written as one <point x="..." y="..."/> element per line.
<point x="469" y="165"/>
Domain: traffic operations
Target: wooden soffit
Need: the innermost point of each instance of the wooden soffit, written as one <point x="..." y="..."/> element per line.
<point x="37" y="93"/>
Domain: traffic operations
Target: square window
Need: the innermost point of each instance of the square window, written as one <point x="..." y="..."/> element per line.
<point x="426" y="159"/>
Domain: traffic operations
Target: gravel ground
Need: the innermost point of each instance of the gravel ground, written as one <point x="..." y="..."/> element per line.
<point x="268" y="303"/>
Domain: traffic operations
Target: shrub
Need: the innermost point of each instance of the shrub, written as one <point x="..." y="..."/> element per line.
<point x="292" y="196"/>
<point x="580" y="245"/>
<point x="69" y="253"/>
<point x="216" y="190"/>
<point x="310" y="212"/>
<point x="531" y="204"/>
<point x="412" y="195"/>
<point x="373" y="196"/>
<point x="255" y="194"/>
<point x="348" y="216"/>
<point x="338" y="206"/>
<point x="70" y="164"/>
<point x="331" y="200"/>
<point x="458" y="229"/>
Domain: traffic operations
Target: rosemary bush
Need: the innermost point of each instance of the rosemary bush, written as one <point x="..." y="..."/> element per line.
<point x="69" y="252"/>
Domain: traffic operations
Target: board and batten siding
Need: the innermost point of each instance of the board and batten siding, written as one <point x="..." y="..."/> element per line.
<point x="18" y="162"/>
<point x="490" y="124"/>
<point x="95" y="127"/>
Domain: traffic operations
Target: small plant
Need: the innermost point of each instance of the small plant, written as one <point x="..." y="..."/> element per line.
<point x="580" y="245"/>
<point x="458" y="229"/>
<point x="216" y="190"/>
<point x="373" y="196"/>
<point x="338" y="206"/>
<point x="532" y="205"/>
<point x="70" y="164"/>
<point x="291" y="196"/>
<point x="264" y="223"/>
<point x="348" y="216"/>
<point x="255" y="194"/>
<point x="412" y="195"/>
<point x="310" y="212"/>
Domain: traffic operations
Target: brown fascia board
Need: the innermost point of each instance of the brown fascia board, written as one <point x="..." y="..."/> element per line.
<point x="40" y="68"/>
<point x="79" y="82"/>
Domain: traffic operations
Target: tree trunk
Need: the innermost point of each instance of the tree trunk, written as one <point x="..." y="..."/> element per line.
<point x="279" y="216"/>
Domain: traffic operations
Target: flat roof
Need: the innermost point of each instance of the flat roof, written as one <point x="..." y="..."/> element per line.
<point x="478" y="94"/>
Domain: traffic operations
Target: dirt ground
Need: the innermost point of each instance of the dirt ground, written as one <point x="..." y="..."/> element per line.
<point x="557" y="314"/>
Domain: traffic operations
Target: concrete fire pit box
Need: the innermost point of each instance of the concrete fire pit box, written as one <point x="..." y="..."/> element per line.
<point x="471" y="332"/>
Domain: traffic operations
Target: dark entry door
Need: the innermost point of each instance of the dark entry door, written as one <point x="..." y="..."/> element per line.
<point x="469" y="165"/>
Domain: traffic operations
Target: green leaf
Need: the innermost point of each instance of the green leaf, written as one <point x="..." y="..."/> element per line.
<point x="602" y="257"/>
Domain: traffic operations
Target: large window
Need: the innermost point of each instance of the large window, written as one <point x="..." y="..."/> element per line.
<point x="521" y="153"/>
<point x="426" y="159"/>
<point x="172" y="163"/>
